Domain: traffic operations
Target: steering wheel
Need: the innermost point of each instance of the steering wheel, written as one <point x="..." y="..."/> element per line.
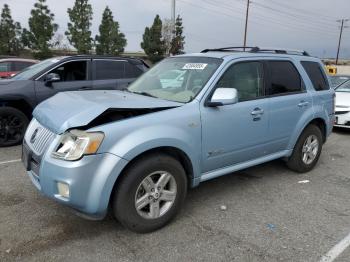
<point x="196" y="90"/>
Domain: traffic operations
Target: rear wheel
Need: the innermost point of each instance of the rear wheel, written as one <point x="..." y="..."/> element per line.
<point x="150" y="193"/>
<point x="307" y="150"/>
<point x="13" y="124"/>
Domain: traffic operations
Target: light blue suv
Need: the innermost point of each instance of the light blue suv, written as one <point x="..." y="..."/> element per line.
<point x="138" y="150"/>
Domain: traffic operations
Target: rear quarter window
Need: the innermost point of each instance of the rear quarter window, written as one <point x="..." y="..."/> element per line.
<point x="316" y="75"/>
<point x="132" y="71"/>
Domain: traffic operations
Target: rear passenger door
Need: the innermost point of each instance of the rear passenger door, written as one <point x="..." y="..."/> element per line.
<point x="112" y="74"/>
<point x="288" y="101"/>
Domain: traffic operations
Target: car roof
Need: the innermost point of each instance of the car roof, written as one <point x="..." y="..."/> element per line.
<point x="235" y="55"/>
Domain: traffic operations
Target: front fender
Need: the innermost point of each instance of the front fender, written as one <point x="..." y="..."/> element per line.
<point x="148" y="138"/>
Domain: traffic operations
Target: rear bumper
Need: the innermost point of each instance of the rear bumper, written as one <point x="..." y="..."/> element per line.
<point x="90" y="181"/>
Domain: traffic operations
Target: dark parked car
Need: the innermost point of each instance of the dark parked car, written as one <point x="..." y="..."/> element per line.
<point x="20" y="94"/>
<point x="11" y="66"/>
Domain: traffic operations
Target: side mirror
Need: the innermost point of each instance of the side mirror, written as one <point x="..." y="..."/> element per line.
<point x="51" y="78"/>
<point x="223" y="96"/>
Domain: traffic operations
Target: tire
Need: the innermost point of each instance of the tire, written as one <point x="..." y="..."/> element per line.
<point x="297" y="162"/>
<point x="132" y="190"/>
<point x="13" y="124"/>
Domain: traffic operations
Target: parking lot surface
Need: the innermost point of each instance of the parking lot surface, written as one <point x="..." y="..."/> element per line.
<point x="272" y="214"/>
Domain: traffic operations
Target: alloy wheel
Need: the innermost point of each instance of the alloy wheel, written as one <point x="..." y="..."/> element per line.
<point x="310" y="149"/>
<point x="11" y="129"/>
<point x="155" y="195"/>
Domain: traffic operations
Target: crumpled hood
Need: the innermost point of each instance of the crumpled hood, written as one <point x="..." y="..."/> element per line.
<point x="79" y="108"/>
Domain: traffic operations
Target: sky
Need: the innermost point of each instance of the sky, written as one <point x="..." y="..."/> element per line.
<point x="296" y="24"/>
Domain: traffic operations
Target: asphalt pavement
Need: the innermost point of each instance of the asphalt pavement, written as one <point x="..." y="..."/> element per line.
<point x="272" y="214"/>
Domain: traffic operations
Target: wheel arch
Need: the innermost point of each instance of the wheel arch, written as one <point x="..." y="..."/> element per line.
<point x="319" y="122"/>
<point x="19" y="104"/>
<point x="174" y="152"/>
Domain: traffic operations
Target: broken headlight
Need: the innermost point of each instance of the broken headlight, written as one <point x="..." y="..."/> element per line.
<point x="75" y="144"/>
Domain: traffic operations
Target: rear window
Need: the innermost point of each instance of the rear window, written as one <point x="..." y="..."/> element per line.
<point x="19" y="66"/>
<point x="316" y="75"/>
<point x="5" y="66"/>
<point x="109" y="69"/>
<point x="284" y="78"/>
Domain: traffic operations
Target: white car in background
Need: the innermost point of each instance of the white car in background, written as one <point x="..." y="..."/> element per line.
<point x="342" y="106"/>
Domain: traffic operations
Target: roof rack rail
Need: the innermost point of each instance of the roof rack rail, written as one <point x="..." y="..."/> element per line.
<point x="229" y="49"/>
<point x="283" y="51"/>
<point x="257" y="50"/>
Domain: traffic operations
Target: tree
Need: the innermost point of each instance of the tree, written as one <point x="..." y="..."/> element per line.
<point x="178" y="42"/>
<point x="79" y="34"/>
<point x="152" y="44"/>
<point x="10" y="33"/>
<point x="110" y="41"/>
<point x="167" y="34"/>
<point x="59" y="42"/>
<point x="41" y="30"/>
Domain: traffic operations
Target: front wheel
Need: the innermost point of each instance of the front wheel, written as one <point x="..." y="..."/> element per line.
<point x="150" y="193"/>
<point x="13" y="124"/>
<point x="307" y="150"/>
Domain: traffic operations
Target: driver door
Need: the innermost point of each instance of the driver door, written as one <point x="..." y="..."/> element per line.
<point x="74" y="75"/>
<point x="233" y="134"/>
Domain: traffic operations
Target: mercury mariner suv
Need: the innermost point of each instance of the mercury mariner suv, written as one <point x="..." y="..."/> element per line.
<point x="138" y="150"/>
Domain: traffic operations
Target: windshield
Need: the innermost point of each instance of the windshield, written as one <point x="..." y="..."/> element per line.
<point x="31" y="71"/>
<point x="345" y="87"/>
<point x="177" y="79"/>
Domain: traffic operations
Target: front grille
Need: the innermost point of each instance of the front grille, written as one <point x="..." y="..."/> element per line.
<point x="38" y="137"/>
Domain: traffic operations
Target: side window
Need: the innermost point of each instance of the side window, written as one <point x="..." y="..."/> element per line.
<point x="132" y="71"/>
<point x="109" y="69"/>
<point x="5" y="67"/>
<point x="247" y="78"/>
<point x="284" y="78"/>
<point x="316" y="75"/>
<point x="72" y="71"/>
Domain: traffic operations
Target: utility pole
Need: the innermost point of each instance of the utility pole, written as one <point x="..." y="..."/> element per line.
<point x="173" y="11"/>
<point x="246" y="26"/>
<point x="342" y="21"/>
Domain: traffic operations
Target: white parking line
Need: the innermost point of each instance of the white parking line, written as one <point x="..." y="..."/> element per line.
<point x="336" y="250"/>
<point x="10" y="161"/>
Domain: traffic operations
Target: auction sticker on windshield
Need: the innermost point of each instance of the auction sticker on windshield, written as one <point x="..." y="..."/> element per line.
<point x="195" y="66"/>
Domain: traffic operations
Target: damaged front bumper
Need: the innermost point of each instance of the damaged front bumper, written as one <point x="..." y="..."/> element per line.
<point x="85" y="185"/>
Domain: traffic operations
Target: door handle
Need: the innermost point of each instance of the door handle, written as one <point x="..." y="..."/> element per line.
<point x="303" y="103"/>
<point x="257" y="112"/>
